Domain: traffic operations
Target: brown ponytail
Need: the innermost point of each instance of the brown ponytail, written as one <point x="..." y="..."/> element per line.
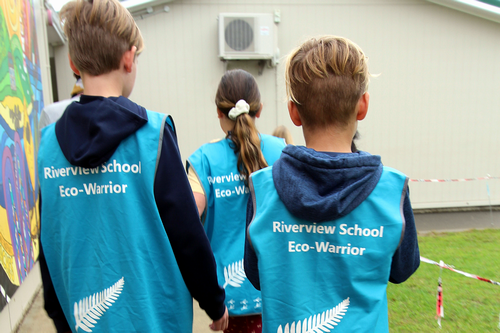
<point x="236" y="85"/>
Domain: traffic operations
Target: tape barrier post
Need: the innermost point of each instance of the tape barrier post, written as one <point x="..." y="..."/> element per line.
<point x="439" y="301"/>
<point x="439" y="297"/>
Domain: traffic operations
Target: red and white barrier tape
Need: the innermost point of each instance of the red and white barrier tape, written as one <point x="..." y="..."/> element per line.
<point x="451" y="180"/>
<point x="443" y="265"/>
<point x="439" y="296"/>
<point x="4" y="294"/>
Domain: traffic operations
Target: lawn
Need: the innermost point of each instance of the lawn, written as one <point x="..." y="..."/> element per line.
<point x="470" y="305"/>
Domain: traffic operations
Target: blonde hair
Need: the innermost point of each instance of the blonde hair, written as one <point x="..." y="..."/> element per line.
<point x="236" y="85"/>
<point x="283" y="132"/>
<point x="325" y="77"/>
<point x="99" y="32"/>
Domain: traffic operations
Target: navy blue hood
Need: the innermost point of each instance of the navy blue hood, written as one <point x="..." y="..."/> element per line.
<point x="90" y="130"/>
<point x="321" y="186"/>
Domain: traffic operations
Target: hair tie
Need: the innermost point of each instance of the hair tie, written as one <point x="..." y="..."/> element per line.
<point x="240" y="108"/>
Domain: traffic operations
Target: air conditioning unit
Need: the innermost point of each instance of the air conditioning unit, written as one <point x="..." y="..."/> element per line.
<point x="247" y="37"/>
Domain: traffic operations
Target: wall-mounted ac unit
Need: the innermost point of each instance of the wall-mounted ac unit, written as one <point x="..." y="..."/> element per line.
<point x="247" y="37"/>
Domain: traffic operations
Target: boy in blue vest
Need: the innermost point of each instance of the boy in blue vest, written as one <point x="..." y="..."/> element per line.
<point x="328" y="227"/>
<point x="123" y="246"/>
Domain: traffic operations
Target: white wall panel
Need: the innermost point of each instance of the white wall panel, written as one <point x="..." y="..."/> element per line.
<point x="433" y="108"/>
<point x="64" y="74"/>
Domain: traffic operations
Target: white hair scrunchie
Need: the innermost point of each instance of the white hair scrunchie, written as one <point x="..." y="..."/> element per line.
<point x="240" y="108"/>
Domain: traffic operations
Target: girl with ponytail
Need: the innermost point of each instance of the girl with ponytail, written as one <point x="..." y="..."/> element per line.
<point x="218" y="172"/>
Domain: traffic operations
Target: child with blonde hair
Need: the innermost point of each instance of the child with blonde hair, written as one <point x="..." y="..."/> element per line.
<point x="218" y="173"/>
<point x="328" y="226"/>
<point x="113" y="255"/>
<point x="283" y="132"/>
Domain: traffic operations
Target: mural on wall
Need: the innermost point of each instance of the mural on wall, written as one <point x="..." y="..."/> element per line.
<point x="20" y="104"/>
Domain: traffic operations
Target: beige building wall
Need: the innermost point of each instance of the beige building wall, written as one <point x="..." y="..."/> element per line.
<point x="433" y="109"/>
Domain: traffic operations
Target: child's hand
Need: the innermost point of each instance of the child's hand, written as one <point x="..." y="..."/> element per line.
<point x="221" y="324"/>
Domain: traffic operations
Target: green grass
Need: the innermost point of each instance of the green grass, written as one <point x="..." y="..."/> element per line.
<point x="470" y="305"/>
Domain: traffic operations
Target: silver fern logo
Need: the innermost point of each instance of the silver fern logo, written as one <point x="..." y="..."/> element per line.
<point x="91" y="308"/>
<point x="234" y="274"/>
<point x="321" y="322"/>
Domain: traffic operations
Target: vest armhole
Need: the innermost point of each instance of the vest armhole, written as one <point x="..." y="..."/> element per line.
<point x="170" y="121"/>
<point x="404" y="193"/>
<point x="190" y="170"/>
<point x="254" y="207"/>
<point x="160" y="142"/>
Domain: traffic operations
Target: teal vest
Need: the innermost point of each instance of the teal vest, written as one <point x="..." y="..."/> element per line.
<point x="318" y="276"/>
<point x="107" y="251"/>
<point x="227" y="197"/>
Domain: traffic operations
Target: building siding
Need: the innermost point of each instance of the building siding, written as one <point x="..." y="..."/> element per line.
<point x="433" y="107"/>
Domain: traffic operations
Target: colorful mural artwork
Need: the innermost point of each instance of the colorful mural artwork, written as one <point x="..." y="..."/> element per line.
<point x="21" y="101"/>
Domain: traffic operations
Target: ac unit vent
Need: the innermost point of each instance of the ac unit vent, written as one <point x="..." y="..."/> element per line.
<point x="247" y="37"/>
<point x="239" y="34"/>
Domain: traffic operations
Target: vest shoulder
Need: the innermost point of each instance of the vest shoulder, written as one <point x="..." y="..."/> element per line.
<point x="214" y="144"/>
<point x="262" y="174"/>
<point x="161" y="118"/>
<point x="272" y="147"/>
<point x="216" y="140"/>
<point x="155" y="114"/>
<point x="273" y="139"/>
<point x="392" y="171"/>
<point x="47" y="129"/>
<point x="209" y="148"/>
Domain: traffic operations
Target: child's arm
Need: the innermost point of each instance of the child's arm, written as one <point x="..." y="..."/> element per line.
<point x="406" y="259"/>
<point x="189" y="242"/>
<point x="51" y="303"/>
<point x="198" y="192"/>
<point x="251" y="261"/>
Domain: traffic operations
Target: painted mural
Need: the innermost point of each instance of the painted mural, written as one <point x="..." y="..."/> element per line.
<point x="20" y="104"/>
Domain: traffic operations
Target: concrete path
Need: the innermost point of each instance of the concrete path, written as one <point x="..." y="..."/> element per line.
<point x="36" y="319"/>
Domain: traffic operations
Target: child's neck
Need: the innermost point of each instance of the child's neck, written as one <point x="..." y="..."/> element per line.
<point x="329" y="139"/>
<point x="105" y="85"/>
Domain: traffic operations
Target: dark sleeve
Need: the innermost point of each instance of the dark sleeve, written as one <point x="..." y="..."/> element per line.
<point x="189" y="242"/>
<point x="251" y="261"/>
<point x="406" y="259"/>
<point x="51" y="303"/>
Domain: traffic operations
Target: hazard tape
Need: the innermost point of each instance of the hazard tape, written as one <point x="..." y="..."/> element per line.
<point x="451" y="180"/>
<point x="451" y="268"/>
<point x="4" y="294"/>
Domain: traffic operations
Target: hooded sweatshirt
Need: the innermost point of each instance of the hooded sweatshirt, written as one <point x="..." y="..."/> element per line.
<point x="324" y="186"/>
<point x="89" y="132"/>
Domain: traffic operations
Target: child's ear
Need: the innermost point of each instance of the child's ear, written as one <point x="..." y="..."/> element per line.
<point x="363" y="106"/>
<point x="73" y="67"/>
<point x="128" y="59"/>
<point x="257" y="115"/>
<point x="219" y="114"/>
<point x="294" y="113"/>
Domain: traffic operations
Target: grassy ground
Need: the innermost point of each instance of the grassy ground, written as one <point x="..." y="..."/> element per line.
<point x="470" y="305"/>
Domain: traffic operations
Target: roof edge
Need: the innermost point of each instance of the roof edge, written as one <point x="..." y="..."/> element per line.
<point x="476" y="8"/>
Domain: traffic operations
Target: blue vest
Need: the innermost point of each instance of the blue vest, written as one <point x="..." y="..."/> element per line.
<point x="226" y="195"/>
<point x="107" y="251"/>
<point x="320" y="276"/>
